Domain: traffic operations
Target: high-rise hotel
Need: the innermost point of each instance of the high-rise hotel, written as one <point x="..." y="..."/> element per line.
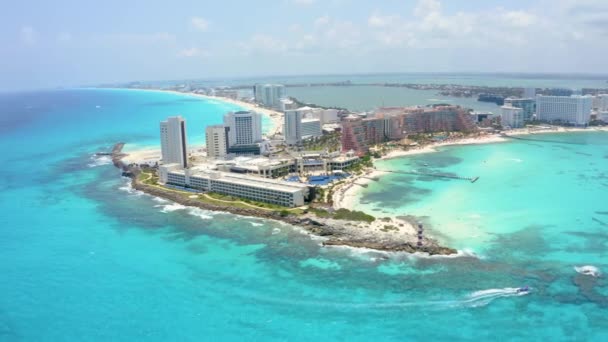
<point x="217" y="141"/>
<point x="575" y="109"/>
<point x="245" y="127"/>
<point x="173" y="142"/>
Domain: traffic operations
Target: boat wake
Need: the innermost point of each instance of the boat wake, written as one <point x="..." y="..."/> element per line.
<point x="484" y="297"/>
<point x="474" y="300"/>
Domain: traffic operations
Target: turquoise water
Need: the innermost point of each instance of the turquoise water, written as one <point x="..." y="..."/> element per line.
<point x="83" y="257"/>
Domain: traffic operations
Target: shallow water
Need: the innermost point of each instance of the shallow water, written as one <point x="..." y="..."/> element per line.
<point x="84" y="257"/>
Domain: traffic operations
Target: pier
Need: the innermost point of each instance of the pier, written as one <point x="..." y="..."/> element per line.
<point x="117" y="156"/>
<point x="437" y="175"/>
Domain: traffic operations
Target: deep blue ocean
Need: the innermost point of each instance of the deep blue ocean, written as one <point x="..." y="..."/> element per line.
<point x="83" y="257"/>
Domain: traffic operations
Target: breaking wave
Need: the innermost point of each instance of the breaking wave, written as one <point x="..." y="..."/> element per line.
<point x="588" y="270"/>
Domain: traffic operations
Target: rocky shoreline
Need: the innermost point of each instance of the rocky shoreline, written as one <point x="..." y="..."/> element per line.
<point x="334" y="232"/>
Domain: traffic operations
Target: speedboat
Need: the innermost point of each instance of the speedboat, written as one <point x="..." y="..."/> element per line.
<point x="523" y="289"/>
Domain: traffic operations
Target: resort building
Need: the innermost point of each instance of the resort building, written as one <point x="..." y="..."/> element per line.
<point x="354" y="136"/>
<point x="245" y="128"/>
<point x="375" y="130"/>
<point x="245" y="150"/>
<point x="258" y="166"/>
<point x="288" y="194"/>
<point x="575" y="109"/>
<point x="298" y="125"/>
<point x="287" y="104"/>
<point x="512" y="117"/>
<point x="269" y="95"/>
<point x="328" y="116"/>
<point x="300" y="162"/>
<point x="217" y="141"/>
<point x="292" y="127"/>
<point x="173" y="143"/>
<point x="529" y="93"/>
<point x="437" y="119"/>
<point x="311" y="128"/>
<point x="528" y="105"/>
<point x="600" y="102"/>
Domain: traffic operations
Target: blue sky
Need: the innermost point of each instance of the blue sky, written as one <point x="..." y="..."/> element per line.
<point x="63" y="43"/>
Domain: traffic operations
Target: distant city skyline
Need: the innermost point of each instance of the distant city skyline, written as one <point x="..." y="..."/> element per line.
<point x="65" y="43"/>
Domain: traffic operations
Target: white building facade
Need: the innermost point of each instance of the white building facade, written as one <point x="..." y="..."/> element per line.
<point x="288" y="194"/>
<point x="575" y="109"/>
<point x="173" y="141"/>
<point x="269" y="95"/>
<point x="527" y="104"/>
<point x="529" y="93"/>
<point x="217" y="141"/>
<point x="311" y="128"/>
<point x="292" y="127"/>
<point x="245" y="128"/>
<point x="601" y="102"/>
<point x="287" y="104"/>
<point x="512" y="117"/>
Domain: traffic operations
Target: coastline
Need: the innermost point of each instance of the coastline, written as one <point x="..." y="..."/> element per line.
<point x="145" y="155"/>
<point x="276" y="117"/>
<point x="383" y="234"/>
<point x="346" y="195"/>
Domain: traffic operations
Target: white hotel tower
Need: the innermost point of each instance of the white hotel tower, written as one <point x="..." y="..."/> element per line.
<point x="245" y="128"/>
<point x="575" y="109"/>
<point x="173" y="144"/>
<point x="292" y="127"/>
<point x="217" y="141"/>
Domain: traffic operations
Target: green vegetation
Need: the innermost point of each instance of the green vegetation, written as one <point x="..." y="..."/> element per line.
<point x="312" y="105"/>
<point x="148" y="177"/>
<point x="364" y="162"/>
<point x="320" y="212"/>
<point x="329" y="142"/>
<point x="343" y="214"/>
<point x="389" y="227"/>
<point x="354" y="215"/>
<point x="227" y="198"/>
<point x="319" y="194"/>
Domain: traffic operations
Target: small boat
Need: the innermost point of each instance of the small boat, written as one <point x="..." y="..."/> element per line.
<point x="523" y="289"/>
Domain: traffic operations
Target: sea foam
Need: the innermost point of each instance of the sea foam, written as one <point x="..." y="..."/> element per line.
<point x="99" y="161"/>
<point x="200" y="213"/>
<point x="588" y="270"/>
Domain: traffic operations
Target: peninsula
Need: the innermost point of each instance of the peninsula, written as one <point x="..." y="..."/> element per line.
<point x="306" y="170"/>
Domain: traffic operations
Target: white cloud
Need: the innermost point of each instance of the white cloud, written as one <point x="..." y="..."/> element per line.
<point x="303" y="2"/>
<point x="262" y="43"/>
<point x="379" y="20"/>
<point x="28" y="35"/>
<point x="510" y="36"/>
<point x="426" y="7"/>
<point x="321" y="21"/>
<point x="519" y="18"/>
<point x="199" y="23"/>
<point x="192" y="52"/>
<point x="140" y="38"/>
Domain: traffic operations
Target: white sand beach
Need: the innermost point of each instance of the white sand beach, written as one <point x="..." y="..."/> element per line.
<point x="276" y="117"/>
<point x="147" y="155"/>
<point x="346" y="196"/>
